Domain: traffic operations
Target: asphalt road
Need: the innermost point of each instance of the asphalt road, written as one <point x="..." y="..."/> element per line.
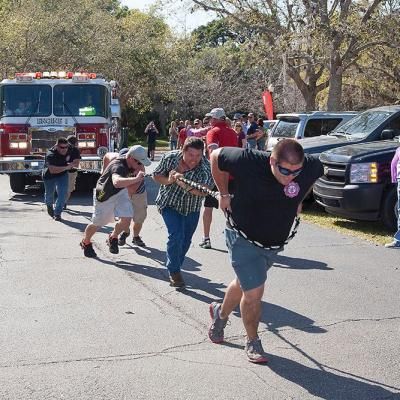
<point x="112" y="328"/>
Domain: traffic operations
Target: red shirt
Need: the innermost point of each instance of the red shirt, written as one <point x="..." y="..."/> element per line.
<point x="182" y="135"/>
<point x="222" y="135"/>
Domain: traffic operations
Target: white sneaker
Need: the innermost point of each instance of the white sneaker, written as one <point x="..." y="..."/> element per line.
<point x="393" y="245"/>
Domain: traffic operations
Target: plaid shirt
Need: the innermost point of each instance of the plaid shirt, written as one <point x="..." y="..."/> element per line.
<point x="174" y="196"/>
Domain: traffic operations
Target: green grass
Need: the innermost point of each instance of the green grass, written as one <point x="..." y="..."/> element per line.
<point x="374" y="232"/>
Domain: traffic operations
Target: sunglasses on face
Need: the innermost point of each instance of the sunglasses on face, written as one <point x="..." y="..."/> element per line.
<point x="138" y="162"/>
<point x="288" y="172"/>
<point x="63" y="147"/>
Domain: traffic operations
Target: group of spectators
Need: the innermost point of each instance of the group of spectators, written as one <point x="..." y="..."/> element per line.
<point x="249" y="130"/>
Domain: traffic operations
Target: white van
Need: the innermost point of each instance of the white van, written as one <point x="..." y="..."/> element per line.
<point x="302" y="125"/>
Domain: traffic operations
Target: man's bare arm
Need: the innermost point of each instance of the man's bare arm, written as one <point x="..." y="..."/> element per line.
<point x="119" y="182"/>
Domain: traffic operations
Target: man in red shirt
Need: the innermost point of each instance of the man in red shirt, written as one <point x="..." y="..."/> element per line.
<point x="220" y="135"/>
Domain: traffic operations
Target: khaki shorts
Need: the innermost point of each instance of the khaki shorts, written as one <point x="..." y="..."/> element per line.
<point x="72" y="181"/>
<point x="139" y="203"/>
<point x="117" y="206"/>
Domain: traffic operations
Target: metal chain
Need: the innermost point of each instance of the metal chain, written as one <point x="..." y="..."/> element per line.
<point x="232" y="223"/>
<point x="234" y="227"/>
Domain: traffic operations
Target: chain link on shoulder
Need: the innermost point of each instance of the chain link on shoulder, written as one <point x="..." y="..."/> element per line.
<point x="234" y="227"/>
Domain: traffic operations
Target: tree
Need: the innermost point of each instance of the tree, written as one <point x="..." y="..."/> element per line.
<point x="319" y="40"/>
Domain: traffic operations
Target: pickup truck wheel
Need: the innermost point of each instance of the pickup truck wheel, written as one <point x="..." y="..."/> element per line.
<point x="389" y="210"/>
<point x="18" y="182"/>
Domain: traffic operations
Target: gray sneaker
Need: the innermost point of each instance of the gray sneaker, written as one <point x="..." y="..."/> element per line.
<point x="255" y="352"/>
<point x="216" y="331"/>
<point x="205" y="244"/>
<point x="393" y="245"/>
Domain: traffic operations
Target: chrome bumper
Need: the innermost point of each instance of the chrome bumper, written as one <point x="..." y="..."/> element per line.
<point x="10" y="165"/>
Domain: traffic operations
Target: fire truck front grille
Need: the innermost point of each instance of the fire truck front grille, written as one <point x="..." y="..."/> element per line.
<point x="43" y="139"/>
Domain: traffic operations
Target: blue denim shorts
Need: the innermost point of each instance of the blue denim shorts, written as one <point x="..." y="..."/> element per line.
<point x="250" y="263"/>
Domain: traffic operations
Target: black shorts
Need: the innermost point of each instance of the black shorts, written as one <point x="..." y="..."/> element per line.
<point x="212" y="202"/>
<point x="151" y="146"/>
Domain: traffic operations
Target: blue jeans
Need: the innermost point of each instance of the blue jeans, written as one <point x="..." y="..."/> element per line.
<point x="397" y="234"/>
<point x="172" y="144"/>
<point x="252" y="144"/>
<point x="261" y="144"/>
<point x="180" y="231"/>
<point x="59" y="184"/>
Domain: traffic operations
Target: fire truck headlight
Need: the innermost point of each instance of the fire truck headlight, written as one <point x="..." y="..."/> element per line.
<point x="14" y="145"/>
<point x="23" y="145"/>
<point x="92" y="145"/>
<point x="81" y="144"/>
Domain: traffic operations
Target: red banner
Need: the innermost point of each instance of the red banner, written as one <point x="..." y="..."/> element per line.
<point x="268" y="105"/>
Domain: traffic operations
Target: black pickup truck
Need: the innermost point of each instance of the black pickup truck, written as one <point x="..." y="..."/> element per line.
<point x="356" y="183"/>
<point x="375" y="124"/>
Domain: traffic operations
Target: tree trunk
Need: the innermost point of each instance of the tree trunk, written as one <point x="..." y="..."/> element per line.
<point x="335" y="84"/>
<point x="308" y="90"/>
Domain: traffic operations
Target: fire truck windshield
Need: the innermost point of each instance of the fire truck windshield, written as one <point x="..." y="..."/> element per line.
<point x="80" y="100"/>
<point x="25" y="100"/>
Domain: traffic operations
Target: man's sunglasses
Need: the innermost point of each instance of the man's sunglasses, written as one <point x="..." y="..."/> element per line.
<point x="288" y="172"/>
<point x="63" y="147"/>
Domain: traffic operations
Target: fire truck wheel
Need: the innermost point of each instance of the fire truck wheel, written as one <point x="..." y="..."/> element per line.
<point x="17" y="182"/>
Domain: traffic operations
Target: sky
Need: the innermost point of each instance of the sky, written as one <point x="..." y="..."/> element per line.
<point x="177" y="15"/>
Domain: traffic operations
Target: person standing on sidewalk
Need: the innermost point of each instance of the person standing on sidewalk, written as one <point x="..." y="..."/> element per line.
<point x="395" y="169"/>
<point x="58" y="161"/>
<point x="178" y="203"/>
<point x="269" y="190"/>
<point x="111" y="199"/>
<point x="151" y="131"/>
<point x="173" y="136"/>
<point x="219" y="135"/>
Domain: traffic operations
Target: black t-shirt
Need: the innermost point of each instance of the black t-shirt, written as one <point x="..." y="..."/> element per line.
<point x="105" y="187"/>
<point x="54" y="158"/>
<point x="262" y="207"/>
<point x="75" y="154"/>
<point x="151" y="135"/>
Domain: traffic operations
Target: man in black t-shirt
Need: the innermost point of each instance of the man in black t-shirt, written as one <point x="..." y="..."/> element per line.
<point x="112" y="199"/>
<point x="58" y="162"/>
<point x="73" y="173"/>
<point x="269" y="190"/>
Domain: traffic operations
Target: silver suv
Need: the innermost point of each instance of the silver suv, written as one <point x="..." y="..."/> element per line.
<point x="303" y="125"/>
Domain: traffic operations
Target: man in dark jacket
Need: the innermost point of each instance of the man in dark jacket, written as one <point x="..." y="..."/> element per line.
<point x="58" y="162"/>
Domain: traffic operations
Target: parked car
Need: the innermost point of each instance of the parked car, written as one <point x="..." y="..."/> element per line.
<point x="357" y="184"/>
<point x="269" y="123"/>
<point x="380" y="123"/>
<point x="306" y="125"/>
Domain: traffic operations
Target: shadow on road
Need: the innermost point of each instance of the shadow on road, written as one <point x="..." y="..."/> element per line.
<point x="299" y="263"/>
<point x="324" y="384"/>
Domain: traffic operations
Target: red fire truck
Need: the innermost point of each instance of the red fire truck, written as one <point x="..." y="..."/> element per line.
<point x="37" y="108"/>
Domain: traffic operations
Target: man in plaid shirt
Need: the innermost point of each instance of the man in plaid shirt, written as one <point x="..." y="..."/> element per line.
<point x="178" y="203"/>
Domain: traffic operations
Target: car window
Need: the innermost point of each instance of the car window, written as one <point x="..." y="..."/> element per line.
<point x="395" y="124"/>
<point x="286" y="128"/>
<point x="363" y="124"/>
<point x="316" y="127"/>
